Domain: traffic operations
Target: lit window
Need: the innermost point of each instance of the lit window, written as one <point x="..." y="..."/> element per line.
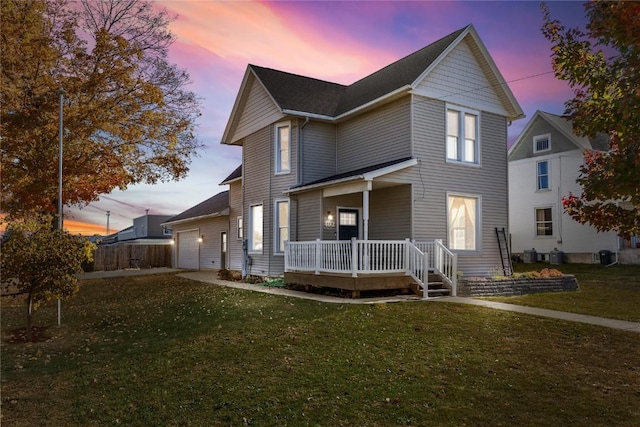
<point x="283" y="146"/>
<point x="463" y="222"/>
<point x="541" y="143"/>
<point x="282" y="225"/>
<point x="240" y="230"/>
<point x="543" y="175"/>
<point x="255" y="228"/>
<point x="544" y="223"/>
<point x="462" y="136"/>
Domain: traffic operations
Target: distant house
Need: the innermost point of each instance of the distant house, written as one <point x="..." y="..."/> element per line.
<point x="544" y="164"/>
<point x="146" y="229"/>
<point x="369" y="185"/>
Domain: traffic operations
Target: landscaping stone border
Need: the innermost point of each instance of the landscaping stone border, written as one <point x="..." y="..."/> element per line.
<point x="486" y="287"/>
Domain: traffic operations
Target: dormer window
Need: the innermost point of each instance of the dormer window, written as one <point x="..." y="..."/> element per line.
<point x="541" y="143"/>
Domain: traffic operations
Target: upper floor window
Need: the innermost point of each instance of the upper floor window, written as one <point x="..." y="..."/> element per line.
<point x="541" y="143"/>
<point x="544" y="222"/>
<point x="281" y="225"/>
<point x="463" y="144"/>
<point x="463" y="222"/>
<point x="542" y="175"/>
<point x="283" y="148"/>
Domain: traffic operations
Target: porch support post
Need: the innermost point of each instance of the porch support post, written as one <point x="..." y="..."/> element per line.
<point x="354" y="257"/>
<point x="365" y="214"/>
<point x="318" y="248"/>
<point x="407" y="261"/>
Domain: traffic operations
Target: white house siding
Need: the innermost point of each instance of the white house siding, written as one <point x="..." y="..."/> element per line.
<point x="459" y="79"/>
<point x="234" y="254"/>
<point x="578" y="241"/>
<point x="318" y="151"/>
<point x="256" y="111"/>
<point x="376" y="137"/>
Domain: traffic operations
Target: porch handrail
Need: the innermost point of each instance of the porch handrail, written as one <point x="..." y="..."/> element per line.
<point x="417" y="263"/>
<point x="446" y="265"/>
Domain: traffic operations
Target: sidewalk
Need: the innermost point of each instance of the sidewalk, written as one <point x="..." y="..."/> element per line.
<point x="211" y="277"/>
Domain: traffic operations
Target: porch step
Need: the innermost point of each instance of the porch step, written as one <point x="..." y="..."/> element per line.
<point x="438" y="289"/>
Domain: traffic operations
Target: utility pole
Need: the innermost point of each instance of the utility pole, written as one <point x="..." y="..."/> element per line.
<point x="108" y="213"/>
<point x="60" y="122"/>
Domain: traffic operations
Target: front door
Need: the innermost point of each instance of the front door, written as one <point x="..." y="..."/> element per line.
<point x="348" y="223"/>
<point x="223" y="249"/>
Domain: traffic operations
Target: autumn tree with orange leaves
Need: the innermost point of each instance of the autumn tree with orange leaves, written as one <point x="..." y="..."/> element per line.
<point x="128" y="116"/>
<point x="602" y="65"/>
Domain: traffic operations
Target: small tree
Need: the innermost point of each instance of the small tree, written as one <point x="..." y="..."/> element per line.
<point x="602" y="65"/>
<point x="42" y="262"/>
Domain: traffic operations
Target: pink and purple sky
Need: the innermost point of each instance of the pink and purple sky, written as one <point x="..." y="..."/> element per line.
<point x="338" y="41"/>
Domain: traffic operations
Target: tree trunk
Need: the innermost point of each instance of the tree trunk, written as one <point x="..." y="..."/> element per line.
<point x="29" y="336"/>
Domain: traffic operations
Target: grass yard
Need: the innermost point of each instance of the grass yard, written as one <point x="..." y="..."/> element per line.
<point x="612" y="292"/>
<point x="165" y="351"/>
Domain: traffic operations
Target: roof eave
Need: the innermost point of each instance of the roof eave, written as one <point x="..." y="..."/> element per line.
<point x="224" y="212"/>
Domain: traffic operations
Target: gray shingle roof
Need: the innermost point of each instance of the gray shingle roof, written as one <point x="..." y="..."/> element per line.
<point x="237" y="173"/>
<point x="355" y="172"/>
<point x="305" y="94"/>
<point x="213" y="205"/>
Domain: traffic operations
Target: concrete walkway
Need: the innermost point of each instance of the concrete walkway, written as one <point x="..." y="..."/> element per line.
<point x="554" y="314"/>
<point x="212" y="277"/>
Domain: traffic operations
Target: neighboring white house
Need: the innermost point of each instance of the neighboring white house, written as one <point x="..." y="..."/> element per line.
<point x="544" y="163"/>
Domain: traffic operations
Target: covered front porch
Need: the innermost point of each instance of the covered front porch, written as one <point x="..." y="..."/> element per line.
<point x="426" y="268"/>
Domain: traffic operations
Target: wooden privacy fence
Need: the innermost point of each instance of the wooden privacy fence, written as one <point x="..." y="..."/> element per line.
<point x="121" y="256"/>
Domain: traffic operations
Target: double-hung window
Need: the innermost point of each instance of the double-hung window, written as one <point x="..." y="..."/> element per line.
<point x="283" y="148"/>
<point x="544" y="222"/>
<point x="255" y="228"/>
<point x="281" y="229"/>
<point x="463" y="214"/>
<point x="542" y="175"/>
<point x="240" y="228"/>
<point x="463" y="142"/>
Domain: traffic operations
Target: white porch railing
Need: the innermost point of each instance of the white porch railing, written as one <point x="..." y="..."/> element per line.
<point x="373" y="257"/>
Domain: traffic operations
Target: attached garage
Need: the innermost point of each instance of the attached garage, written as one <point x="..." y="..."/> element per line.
<point x="188" y="249"/>
<point x="200" y="234"/>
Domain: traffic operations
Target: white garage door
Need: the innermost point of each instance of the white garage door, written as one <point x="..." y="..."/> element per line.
<point x="188" y="250"/>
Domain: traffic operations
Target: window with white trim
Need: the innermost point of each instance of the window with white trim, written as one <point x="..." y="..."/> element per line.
<point x="255" y="228"/>
<point x="544" y="222"/>
<point x="240" y="228"/>
<point x="281" y="229"/>
<point x="462" y="213"/>
<point x="542" y="175"/>
<point x="283" y="148"/>
<point x="463" y="142"/>
<point x="541" y="143"/>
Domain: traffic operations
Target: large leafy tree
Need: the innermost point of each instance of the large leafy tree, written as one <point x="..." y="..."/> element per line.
<point x="602" y="65"/>
<point x="128" y="116"/>
<point x="41" y="262"/>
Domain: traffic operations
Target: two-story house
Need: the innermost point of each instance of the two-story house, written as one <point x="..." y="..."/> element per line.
<point x="401" y="172"/>
<point x="544" y="164"/>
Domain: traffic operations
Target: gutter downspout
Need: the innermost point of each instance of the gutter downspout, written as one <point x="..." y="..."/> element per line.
<point x="300" y="152"/>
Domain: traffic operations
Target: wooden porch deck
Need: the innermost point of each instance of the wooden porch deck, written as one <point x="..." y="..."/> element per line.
<point x="361" y="283"/>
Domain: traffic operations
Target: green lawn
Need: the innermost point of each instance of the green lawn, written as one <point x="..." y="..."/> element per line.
<point x="604" y="291"/>
<point x="165" y="351"/>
